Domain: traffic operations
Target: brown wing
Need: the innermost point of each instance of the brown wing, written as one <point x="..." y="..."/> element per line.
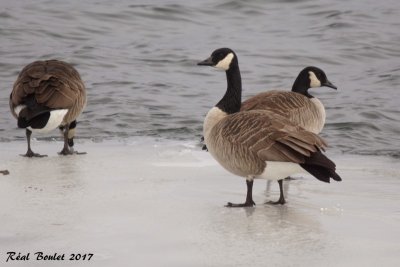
<point x="293" y="106"/>
<point x="269" y="136"/>
<point x="281" y="102"/>
<point x="55" y="84"/>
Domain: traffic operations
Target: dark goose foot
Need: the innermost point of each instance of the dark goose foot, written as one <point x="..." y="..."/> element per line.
<point x="246" y="204"/>
<point x="70" y="151"/>
<point x="31" y="154"/>
<point x="249" y="197"/>
<point x="280" y="201"/>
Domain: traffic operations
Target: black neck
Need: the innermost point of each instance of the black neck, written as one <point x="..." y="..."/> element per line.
<point x="301" y="86"/>
<point x="232" y="99"/>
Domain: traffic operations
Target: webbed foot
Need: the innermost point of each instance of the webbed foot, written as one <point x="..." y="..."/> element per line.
<point x="246" y="204"/>
<point x="70" y="151"/>
<point x="280" y="201"/>
<point x="31" y="154"/>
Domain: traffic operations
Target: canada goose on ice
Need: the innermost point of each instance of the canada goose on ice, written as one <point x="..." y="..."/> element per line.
<point x="257" y="143"/>
<point x="298" y="106"/>
<point x="5" y="172"/>
<point x="46" y="95"/>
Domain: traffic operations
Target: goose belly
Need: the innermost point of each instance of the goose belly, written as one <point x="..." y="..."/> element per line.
<point x="235" y="159"/>
<point x="276" y="170"/>
<point x="55" y="120"/>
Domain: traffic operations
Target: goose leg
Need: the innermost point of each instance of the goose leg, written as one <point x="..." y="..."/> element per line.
<point x="30" y="153"/>
<point x="249" y="197"/>
<point x="204" y="147"/>
<point x="281" y="199"/>
<point x="68" y="148"/>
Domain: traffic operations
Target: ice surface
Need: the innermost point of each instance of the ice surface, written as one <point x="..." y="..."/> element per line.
<point x="161" y="203"/>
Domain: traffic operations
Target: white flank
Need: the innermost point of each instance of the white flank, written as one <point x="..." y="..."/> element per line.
<point x="213" y="117"/>
<point x="55" y="120"/>
<point x="225" y="63"/>
<point x="277" y="170"/>
<point x="18" y="109"/>
<point x="314" y="82"/>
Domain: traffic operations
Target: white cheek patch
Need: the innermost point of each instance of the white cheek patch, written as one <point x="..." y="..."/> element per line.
<point x="225" y="63"/>
<point x="314" y="82"/>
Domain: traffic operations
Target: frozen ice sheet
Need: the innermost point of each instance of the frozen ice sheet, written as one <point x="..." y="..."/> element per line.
<point x="161" y="203"/>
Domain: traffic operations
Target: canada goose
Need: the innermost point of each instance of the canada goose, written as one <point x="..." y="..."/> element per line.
<point x="46" y="95"/>
<point x="298" y="106"/>
<point x="257" y="143"/>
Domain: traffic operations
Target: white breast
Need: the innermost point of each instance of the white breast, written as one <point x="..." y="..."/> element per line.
<point x="213" y="117"/>
<point x="55" y="120"/>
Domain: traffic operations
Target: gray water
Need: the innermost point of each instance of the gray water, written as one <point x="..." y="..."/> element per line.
<point x="138" y="60"/>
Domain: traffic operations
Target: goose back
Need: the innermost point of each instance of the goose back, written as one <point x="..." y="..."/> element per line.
<point x="52" y="84"/>
<point x="309" y="113"/>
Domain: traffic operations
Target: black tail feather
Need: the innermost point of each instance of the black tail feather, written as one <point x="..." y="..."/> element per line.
<point x="321" y="167"/>
<point x="336" y="177"/>
<point x="22" y="122"/>
<point x="37" y="122"/>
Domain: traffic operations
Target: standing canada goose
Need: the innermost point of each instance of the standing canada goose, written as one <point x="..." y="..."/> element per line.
<point x="298" y="106"/>
<point x="257" y="143"/>
<point x="46" y="95"/>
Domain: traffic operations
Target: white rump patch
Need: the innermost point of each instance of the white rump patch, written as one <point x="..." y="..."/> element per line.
<point x="225" y="63"/>
<point x="55" y="120"/>
<point x="277" y="170"/>
<point x="314" y="82"/>
<point x="18" y="109"/>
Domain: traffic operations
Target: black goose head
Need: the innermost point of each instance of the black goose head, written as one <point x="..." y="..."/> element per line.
<point x="226" y="59"/>
<point x="311" y="77"/>
<point x="222" y="58"/>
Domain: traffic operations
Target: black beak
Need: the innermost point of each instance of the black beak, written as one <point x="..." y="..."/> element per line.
<point x="329" y="84"/>
<point x="207" y="62"/>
